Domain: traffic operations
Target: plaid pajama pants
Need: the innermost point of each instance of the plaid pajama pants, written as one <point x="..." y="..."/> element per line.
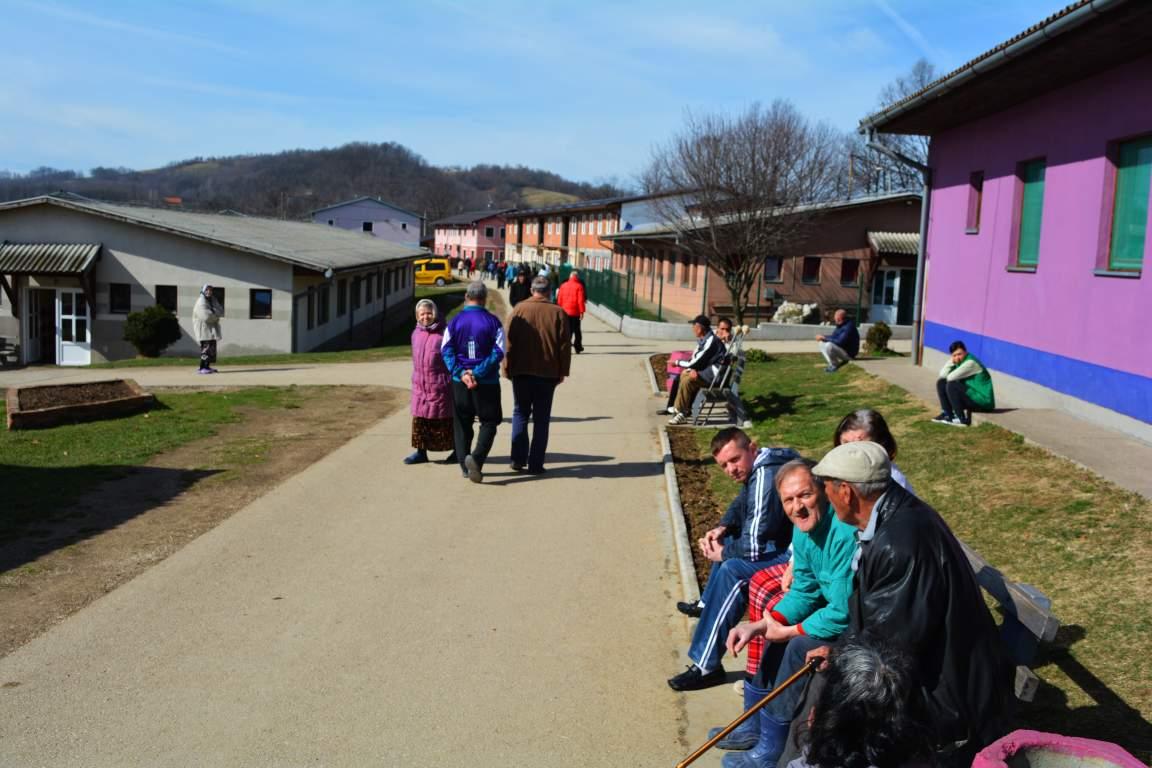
<point x="763" y="594"/>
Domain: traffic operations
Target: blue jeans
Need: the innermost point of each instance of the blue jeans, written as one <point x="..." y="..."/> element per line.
<point x="725" y="599"/>
<point x="532" y="399"/>
<point x="783" y="707"/>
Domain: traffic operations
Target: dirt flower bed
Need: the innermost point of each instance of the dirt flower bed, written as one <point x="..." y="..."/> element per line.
<point x="34" y="398"/>
<point x="702" y="510"/>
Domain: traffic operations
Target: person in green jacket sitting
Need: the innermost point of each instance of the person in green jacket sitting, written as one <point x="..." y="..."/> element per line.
<point x="964" y="386"/>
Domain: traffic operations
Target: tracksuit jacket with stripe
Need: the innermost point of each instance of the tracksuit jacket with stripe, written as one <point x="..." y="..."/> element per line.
<point x="756" y="526"/>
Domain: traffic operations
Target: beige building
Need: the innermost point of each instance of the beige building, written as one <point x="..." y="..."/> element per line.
<point x="71" y="270"/>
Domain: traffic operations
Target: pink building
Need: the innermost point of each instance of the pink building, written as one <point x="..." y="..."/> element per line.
<point x="476" y="234"/>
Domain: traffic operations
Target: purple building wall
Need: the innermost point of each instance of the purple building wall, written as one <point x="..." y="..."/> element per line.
<point x="1062" y="326"/>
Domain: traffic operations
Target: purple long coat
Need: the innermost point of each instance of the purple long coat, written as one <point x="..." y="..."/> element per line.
<point x="431" y="384"/>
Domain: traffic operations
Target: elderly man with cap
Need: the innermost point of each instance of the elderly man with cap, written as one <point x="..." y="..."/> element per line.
<point x="913" y="586"/>
<point x="698" y="369"/>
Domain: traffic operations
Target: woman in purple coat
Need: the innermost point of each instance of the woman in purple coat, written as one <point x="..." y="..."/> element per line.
<point x="431" y="388"/>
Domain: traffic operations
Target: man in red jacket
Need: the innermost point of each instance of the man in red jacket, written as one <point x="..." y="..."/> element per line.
<point x="570" y="298"/>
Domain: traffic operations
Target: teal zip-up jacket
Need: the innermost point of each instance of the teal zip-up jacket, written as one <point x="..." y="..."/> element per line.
<point x="822" y="579"/>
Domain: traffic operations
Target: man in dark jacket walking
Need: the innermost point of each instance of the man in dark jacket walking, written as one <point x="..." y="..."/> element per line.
<point x="519" y="289"/>
<point x="914" y="587"/>
<point x="537" y="359"/>
<point x="472" y="349"/>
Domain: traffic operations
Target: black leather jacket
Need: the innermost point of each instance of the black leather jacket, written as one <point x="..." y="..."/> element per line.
<point x="914" y="586"/>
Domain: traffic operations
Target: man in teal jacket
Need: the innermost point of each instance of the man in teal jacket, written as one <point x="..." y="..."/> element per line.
<point x="813" y="613"/>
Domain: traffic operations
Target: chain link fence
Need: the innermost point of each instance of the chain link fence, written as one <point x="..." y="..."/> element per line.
<point x="606" y="287"/>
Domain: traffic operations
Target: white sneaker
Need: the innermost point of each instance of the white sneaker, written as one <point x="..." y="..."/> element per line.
<point x="678" y="418"/>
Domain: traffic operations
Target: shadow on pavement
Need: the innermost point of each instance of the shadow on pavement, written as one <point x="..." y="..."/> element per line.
<point x="584" y="472"/>
<point x="556" y="419"/>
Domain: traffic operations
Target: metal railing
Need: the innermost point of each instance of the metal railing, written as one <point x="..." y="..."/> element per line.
<point x="610" y="289"/>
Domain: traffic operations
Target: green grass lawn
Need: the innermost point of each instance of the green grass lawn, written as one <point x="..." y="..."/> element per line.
<point x="44" y="470"/>
<point x="397" y="344"/>
<point x="1041" y="520"/>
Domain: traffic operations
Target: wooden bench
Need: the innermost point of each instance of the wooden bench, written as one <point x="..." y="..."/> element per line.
<point x="1028" y="619"/>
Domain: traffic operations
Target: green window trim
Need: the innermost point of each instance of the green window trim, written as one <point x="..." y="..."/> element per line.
<point x="1031" y="212"/>
<point x="1130" y="205"/>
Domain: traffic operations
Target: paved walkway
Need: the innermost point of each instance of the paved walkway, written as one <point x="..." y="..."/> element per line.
<point x="369" y="613"/>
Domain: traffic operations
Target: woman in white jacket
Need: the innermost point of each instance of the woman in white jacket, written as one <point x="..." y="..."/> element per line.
<point x="206" y="325"/>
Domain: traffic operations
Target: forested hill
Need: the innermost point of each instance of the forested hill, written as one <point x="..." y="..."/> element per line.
<point x="290" y="184"/>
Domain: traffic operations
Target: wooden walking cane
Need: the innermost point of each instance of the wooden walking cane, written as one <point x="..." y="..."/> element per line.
<point x="810" y="666"/>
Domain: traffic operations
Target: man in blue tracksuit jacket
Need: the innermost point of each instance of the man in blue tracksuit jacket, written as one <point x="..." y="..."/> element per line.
<point x="472" y="349"/>
<point x="753" y="534"/>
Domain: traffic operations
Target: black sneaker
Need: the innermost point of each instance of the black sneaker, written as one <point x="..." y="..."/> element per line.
<point x="693" y="679"/>
<point x="692" y="609"/>
<point x="517" y="467"/>
<point x="943" y="418"/>
<point x="536" y="470"/>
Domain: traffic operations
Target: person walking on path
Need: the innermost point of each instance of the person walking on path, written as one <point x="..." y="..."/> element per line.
<point x="472" y="350"/>
<point x="431" y="388"/>
<point x="963" y="386"/>
<point x="501" y="275"/>
<point x="206" y="316"/>
<point x="520" y="288"/>
<point x="843" y="345"/>
<point x="538" y="359"/>
<point x="570" y="297"/>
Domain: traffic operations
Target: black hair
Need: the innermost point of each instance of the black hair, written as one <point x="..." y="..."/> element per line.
<point x="955" y="346"/>
<point x="723" y="319"/>
<point x="871" y="422"/>
<point x="870" y="711"/>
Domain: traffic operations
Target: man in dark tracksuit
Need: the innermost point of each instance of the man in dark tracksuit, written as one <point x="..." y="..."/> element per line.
<point x="472" y="350"/>
<point x="753" y="534"/>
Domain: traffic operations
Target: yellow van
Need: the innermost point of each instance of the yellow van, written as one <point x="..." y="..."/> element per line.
<point x="433" y="272"/>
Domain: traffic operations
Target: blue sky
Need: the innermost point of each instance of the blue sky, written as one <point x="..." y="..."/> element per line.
<point x="584" y="89"/>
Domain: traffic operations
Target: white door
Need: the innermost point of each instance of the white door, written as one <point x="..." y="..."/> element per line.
<point x="885" y="290"/>
<point x="72" y="323"/>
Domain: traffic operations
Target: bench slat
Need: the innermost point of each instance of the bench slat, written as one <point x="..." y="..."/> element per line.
<point x="1027" y="604"/>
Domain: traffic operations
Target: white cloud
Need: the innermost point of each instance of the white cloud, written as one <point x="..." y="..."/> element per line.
<point x="909" y="30"/>
<point x="64" y="13"/>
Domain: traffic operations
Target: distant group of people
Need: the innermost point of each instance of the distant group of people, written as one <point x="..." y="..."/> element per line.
<point x="456" y="370"/>
<point x="842" y="560"/>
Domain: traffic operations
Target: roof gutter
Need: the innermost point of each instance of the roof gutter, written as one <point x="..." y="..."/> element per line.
<point x="1073" y="19"/>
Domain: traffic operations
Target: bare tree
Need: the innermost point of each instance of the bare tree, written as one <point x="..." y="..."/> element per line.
<point x="749" y="188"/>
<point x="875" y="172"/>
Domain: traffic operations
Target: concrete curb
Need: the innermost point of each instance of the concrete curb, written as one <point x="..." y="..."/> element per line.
<point x="657" y="390"/>
<point x="688" y="583"/>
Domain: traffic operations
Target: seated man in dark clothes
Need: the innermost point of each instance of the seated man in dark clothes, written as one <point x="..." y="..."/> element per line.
<point x="843" y="345"/>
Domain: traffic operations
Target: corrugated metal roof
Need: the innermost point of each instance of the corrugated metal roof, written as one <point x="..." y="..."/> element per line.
<point x="471" y="217"/>
<point x="880" y="120"/>
<point x="907" y="243"/>
<point x="310" y="245"/>
<point x="46" y="258"/>
<point x="367" y="199"/>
